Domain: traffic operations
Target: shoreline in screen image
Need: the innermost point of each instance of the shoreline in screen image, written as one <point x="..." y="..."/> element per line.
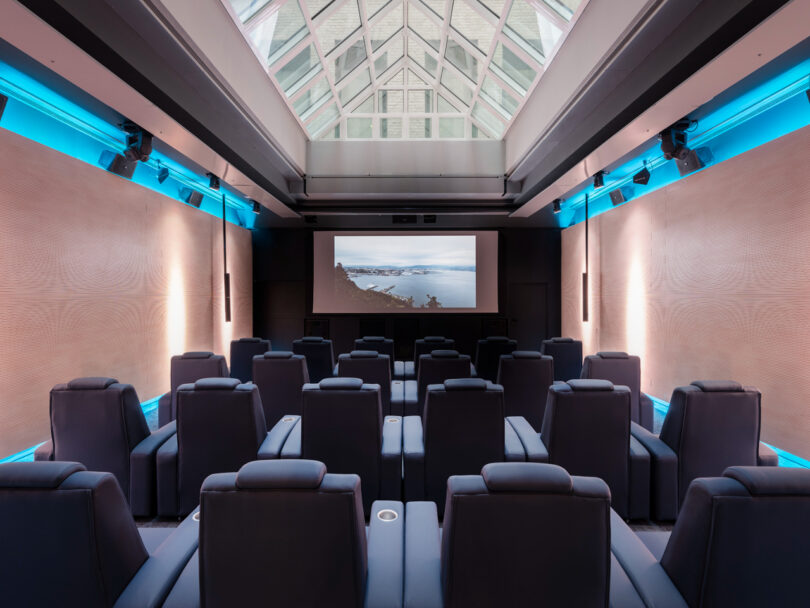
<point x="406" y="272"/>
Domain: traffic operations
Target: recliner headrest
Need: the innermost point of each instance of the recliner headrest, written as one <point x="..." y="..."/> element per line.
<point x="590" y="385"/>
<point x="249" y="340"/>
<point x="718" y="386"/>
<point x="527" y="477"/>
<point x="363" y="354"/>
<point x="312" y="339"/>
<point x="341" y="384"/>
<point x="281" y="474"/>
<point x="465" y="384"/>
<point x="772" y="481"/>
<point x="562" y="340"/>
<point x="197" y="355"/>
<point x="444" y="354"/>
<point x="525" y="354"/>
<point x="43" y="474"/>
<point x="612" y="355"/>
<point x="215" y="384"/>
<point x="434" y="338"/>
<point x="90" y="384"/>
<point x="496" y="339"/>
<point x="374" y="338"/>
<point x="278" y="354"/>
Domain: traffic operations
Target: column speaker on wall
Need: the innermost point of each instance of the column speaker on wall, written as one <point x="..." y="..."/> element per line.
<point x="117" y="163"/>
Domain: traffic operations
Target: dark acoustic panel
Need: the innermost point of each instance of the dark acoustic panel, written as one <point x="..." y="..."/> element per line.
<point x="371" y="326"/>
<point x="316" y="327"/>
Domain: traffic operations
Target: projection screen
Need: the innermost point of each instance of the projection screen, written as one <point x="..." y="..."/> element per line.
<point x="405" y="272"/>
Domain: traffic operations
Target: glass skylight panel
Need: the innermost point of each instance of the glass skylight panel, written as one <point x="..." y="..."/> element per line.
<point x="420" y="101"/>
<point x="398" y="78"/>
<point x="342" y="65"/>
<point x="531" y="29"/>
<point x="466" y="63"/>
<point x="479" y="133"/>
<point x="437" y="6"/>
<point x="339" y="26"/>
<point x="391" y="101"/>
<point x="451" y="128"/>
<point x="385" y="28"/>
<point x="424" y="27"/>
<point x="279" y="31"/>
<point x="332" y="133"/>
<point x="392" y="53"/>
<point x="315" y="6"/>
<point x="495" y="6"/>
<point x="419" y="128"/>
<point x="445" y="107"/>
<point x="457" y="86"/>
<point x="390" y="128"/>
<point x="467" y="22"/>
<point x="299" y="70"/>
<point x="422" y="58"/>
<point x="313" y="98"/>
<point x="366" y="107"/>
<point x="415" y="81"/>
<point x="498" y="98"/>
<point x="564" y="8"/>
<point x="322" y="120"/>
<point x="375" y="6"/>
<point x="245" y="9"/>
<point x="358" y="128"/>
<point x="355" y="87"/>
<point x="488" y="119"/>
<point x="512" y="69"/>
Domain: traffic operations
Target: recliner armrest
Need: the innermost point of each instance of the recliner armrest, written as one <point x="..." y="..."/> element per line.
<point x="413" y="448"/>
<point x="166" y="470"/>
<point x="646" y="411"/>
<point x="533" y="446"/>
<point x="292" y="447"/>
<point x="767" y="457"/>
<point x="410" y="400"/>
<point x="512" y="448"/>
<point x="44" y="451"/>
<point x="152" y="583"/>
<point x="272" y="445"/>
<point x="423" y="556"/>
<point x="648" y="576"/>
<point x="143" y="471"/>
<point x="663" y="474"/>
<point x="386" y="556"/>
<point x="165" y="414"/>
<point x="391" y="488"/>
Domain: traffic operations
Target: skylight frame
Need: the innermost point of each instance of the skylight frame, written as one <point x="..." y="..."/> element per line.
<point x="407" y="38"/>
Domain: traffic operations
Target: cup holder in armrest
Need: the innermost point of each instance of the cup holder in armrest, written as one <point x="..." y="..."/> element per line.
<point x="196" y="516"/>
<point x="287" y="419"/>
<point x="387" y="515"/>
<point x="393" y="420"/>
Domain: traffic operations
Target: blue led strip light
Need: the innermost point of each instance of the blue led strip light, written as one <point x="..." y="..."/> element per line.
<point x="764" y="113"/>
<point x="42" y="115"/>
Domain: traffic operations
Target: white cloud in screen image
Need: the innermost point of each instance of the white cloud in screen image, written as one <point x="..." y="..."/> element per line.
<point x="405" y="251"/>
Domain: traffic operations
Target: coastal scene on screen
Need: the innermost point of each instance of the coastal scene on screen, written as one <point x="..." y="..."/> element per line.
<point x="419" y="272"/>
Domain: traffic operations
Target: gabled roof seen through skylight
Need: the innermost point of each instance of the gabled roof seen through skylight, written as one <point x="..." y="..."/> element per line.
<point x="404" y="69"/>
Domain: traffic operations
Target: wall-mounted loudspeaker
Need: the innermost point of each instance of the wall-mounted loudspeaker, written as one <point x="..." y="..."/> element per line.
<point x="696" y="159"/>
<point x="620" y="195"/>
<point x="3" y="101"/>
<point x="429" y="219"/>
<point x="192" y="197"/>
<point x="403" y="219"/>
<point x="117" y="163"/>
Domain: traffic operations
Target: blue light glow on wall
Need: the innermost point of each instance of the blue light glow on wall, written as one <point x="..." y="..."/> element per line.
<point x="40" y="114"/>
<point x="766" y="112"/>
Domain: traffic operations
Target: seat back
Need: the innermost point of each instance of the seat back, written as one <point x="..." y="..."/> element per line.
<point x="190" y="367"/>
<point x="586" y="429"/>
<point x="621" y="369"/>
<point x="280" y="375"/>
<point x="341" y="426"/>
<point x="97" y="422"/>
<point x="438" y="366"/>
<point x="567" y="355"/>
<point x="712" y="425"/>
<point x="371" y="367"/>
<point x="220" y="426"/>
<point x="68" y="538"/>
<point x="488" y="355"/>
<point x="242" y="352"/>
<point x="527" y="534"/>
<point x="463" y="426"/>
<point x="426" y="345"/>
<point x="283" y="531"/>
<point x="741" y="539"/>
<point x="384" y="346"/>
<point x="525" y="376"/>
<point x="319" y="354"/>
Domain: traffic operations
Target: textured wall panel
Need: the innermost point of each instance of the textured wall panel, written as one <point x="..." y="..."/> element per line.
<point x="98" y="277"/>
<point x="709" y="278"/>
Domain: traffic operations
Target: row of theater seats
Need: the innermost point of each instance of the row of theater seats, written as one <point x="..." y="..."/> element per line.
<point x="287" y="533"/>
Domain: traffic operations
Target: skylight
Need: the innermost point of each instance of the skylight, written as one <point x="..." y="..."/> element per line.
<point x="404" y="69"/>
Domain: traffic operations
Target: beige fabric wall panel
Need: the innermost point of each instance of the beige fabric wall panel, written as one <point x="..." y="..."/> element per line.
<point x="98" y="277"/>
<point x="709" y="278"/>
